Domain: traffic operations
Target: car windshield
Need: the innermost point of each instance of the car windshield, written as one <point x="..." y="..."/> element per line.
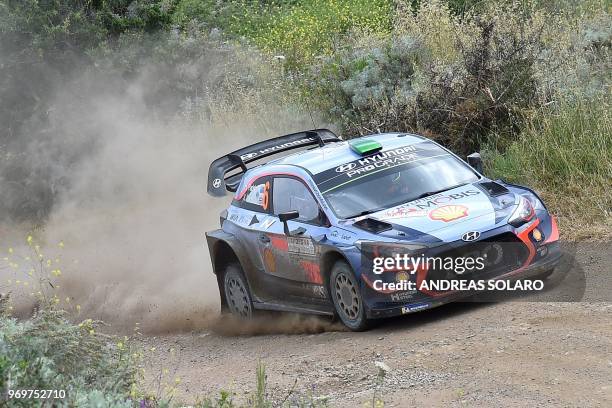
<point x="396" y="180"/>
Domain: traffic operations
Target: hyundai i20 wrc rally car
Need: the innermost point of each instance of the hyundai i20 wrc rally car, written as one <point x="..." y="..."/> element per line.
<point x="304" y="229"/>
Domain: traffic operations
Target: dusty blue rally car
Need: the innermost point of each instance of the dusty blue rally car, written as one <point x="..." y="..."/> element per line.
<point x="304" y="230"/>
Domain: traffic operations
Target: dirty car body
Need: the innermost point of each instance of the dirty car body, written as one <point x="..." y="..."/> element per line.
<point x="292" y="219"/>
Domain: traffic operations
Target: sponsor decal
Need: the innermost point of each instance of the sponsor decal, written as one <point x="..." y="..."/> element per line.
<point x="217" y="183"/>
<point x="470" y="236"/>
<point x="254" y="220"/>
<point x="449" y="213"/>
<point x="402" y="296"/>
<point x="272" y="149"/>
<point x="300" y="246"/>
<point x="346" y="167"/>
<point x="401" y="276"/>
<point x="237" y="218"/>
<point x="415" y="307"/>
<point x="269" y="260"/>
<point x="339" y="235"/>
<point x="404" y="212"/>
<point x="317" y="193"/>
<point x="387" y="159"/>
<point x="442" y="198"/>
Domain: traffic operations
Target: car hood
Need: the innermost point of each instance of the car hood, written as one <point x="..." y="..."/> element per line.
<point x="447" y="215"/>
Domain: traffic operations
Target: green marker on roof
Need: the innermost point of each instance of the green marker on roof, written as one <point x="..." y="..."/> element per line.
<point x="364" y="147"/>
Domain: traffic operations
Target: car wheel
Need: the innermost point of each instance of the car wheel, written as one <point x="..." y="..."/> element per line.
<point x="347" y="297"/>
<point x="237" y="295"/>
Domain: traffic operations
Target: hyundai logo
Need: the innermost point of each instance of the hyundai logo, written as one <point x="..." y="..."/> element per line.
<point x="346" y="167"/>
<point x="471" y="236"/>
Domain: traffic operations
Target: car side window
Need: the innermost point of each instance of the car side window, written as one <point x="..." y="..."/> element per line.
<point x="292" y="195"/>
<point x="257" y="195"/>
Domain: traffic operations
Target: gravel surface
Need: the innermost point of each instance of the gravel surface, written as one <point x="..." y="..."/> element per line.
<point x="464" y="354"/>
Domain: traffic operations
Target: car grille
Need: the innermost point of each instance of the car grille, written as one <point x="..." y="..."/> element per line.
<point x="500" y="254"/>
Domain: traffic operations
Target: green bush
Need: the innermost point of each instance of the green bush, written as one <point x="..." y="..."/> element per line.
<point x="565" y="151"/>
<point x="48" y="352"/>
<point x="400" y="86"/>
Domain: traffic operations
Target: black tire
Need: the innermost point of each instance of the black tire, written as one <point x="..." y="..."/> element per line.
<point x="237" y="294"/>
<point x="346" y="297"/>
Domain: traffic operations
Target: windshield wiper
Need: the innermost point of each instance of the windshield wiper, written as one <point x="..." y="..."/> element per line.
<point x="430" y="193"/>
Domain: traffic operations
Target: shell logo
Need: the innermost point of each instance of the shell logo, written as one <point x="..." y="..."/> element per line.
<point x="449" y="213"/>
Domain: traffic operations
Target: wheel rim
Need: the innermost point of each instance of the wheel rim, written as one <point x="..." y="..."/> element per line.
<point x="238" y="297"/>
<point x="347" y="297"/>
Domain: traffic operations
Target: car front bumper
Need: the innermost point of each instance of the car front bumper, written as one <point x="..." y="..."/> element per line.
<point x="539" y="257"/>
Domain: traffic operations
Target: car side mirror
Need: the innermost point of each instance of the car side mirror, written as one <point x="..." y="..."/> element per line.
<point x="475" y="161"/>
<point x="286" y="216"/>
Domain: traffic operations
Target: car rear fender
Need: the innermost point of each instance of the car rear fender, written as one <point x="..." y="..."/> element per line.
<point x="225" y="249"/>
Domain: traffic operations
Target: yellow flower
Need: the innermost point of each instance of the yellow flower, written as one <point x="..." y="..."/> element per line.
<point x="91" y="332"/>
<point x="10" y="250"/>
<point x="56" y="272"/>
<point x="78" y="308"/>
<point x="29" y="240"/>
<point x="61" y="244"/>
<point x="48" y="262"/>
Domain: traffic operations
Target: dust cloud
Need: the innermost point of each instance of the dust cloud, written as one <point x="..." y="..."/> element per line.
<point x="129" y="203"/>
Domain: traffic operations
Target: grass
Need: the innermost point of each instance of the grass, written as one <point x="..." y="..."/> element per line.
<point x="299" y="30"/>
<point x="565" y="152"/>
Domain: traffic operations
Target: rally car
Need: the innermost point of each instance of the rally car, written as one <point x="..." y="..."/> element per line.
<point x="304" y="228"/>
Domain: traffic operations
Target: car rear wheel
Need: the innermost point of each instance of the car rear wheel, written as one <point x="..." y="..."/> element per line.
<point x="347" y="297"/>
<point x="237" y="294"/>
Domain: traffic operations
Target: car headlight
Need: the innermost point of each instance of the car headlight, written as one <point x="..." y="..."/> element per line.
<point x="387" y="249"/>
<point x="523" y="213"/>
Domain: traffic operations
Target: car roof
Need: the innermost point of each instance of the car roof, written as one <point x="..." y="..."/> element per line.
<point x="319" y="159"/>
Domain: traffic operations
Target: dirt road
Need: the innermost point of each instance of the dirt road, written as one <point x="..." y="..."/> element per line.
<point x="494" y="354"/>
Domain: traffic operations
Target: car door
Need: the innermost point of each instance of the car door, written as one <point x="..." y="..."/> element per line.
<point x="292" y="261"/>
<point x="250" y="216"/>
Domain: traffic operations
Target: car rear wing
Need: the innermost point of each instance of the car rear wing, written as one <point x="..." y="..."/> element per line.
<point x="218" y="178"/>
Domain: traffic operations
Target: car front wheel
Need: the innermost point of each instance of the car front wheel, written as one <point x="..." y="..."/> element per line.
<point x="347" y="297"/>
